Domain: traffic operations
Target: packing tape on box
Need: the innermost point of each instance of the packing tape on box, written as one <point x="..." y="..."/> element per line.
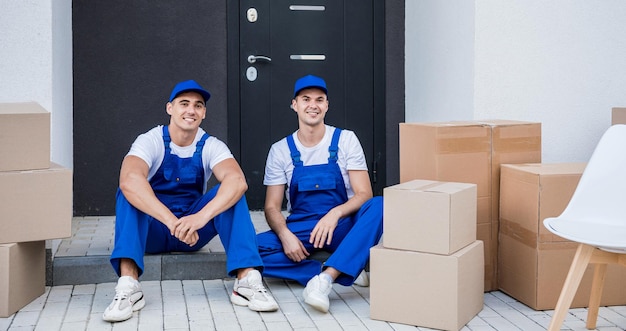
<point x="520" y="234"/>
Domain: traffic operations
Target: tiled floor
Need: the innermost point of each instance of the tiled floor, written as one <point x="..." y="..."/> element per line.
<point x="204" y="304"/>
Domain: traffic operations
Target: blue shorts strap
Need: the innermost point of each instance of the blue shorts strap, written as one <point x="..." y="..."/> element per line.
<point x="295" y="153"/>
<point x="334" y="146"/>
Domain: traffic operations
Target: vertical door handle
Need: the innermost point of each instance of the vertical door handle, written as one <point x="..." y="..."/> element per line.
<point x="254" y="58"/>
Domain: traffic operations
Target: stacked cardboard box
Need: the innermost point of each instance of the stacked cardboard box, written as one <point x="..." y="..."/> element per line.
<point x="533" y="262"/>
<point x="618" y="116"/>
<point x="470" y="152"/>
<point x="36" y="204"/>
<point x="429" y="269"/>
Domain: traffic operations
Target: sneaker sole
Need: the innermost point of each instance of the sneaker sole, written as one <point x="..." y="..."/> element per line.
<point x="241" y="301"/>
<point x="318" y="304"/>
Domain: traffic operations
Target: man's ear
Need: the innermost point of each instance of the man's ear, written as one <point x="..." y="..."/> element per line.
<point x="293" y="105"/>
<point x="168" y="108"/>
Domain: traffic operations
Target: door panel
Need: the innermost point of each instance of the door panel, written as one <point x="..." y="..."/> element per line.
<point x="338" y="36"/>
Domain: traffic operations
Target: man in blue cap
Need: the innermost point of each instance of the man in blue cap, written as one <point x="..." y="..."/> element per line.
<point x="163" y="205"/>
<point x="329" y="200"/>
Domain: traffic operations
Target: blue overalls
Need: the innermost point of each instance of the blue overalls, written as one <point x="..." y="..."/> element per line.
<point x="178" y="183"/>
<point x="314" y="190"/>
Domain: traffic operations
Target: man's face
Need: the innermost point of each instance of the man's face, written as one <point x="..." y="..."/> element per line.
<point x="311" y="106"/>
<point x="187" y="111"/>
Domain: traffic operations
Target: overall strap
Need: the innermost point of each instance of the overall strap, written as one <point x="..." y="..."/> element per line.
<point x="334" y="146"/>
<point x="295" y="153"/>
<point x="166" y="139"/>
<point x="200" y="143"/>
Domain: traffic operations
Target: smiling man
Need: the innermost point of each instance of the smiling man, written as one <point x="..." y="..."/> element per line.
<point x="329" y="200"/>
<point x="163" y="205"/>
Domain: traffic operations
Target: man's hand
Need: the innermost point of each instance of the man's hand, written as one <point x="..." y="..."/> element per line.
<point x="322" y="233"/>
<point x="186" y="228"/>
<point x="293" y="247"/>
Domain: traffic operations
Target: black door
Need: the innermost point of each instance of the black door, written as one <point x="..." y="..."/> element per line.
<point x="280" y="42"/>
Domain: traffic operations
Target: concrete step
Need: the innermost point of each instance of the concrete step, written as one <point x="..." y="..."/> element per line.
<point x="84" y="257"/>
<point x="94" y="269"/>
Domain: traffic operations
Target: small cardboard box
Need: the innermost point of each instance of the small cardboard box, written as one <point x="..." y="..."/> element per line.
<point x="429" y="216"/>
<point x="533" y="262"/>
<point x="22" y="275"/>
<point x="618" y="116"/>
<point x="24" y="136"/>
<point x="36" y="204"/>
<point x="423" y="289"/>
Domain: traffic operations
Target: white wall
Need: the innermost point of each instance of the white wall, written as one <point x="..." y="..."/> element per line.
<point x="36" y="64"/>
<point x="558" y="62"/>
<point x="439" y="62"/>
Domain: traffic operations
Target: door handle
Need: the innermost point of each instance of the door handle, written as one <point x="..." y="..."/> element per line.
<point x="254" y="58"/>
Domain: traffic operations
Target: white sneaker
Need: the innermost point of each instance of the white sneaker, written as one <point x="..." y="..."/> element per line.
<point x="249" y="291"/>
<point x="316" y="293"/>
<point x="128" y="298"/>
<point x="362" y="280"/>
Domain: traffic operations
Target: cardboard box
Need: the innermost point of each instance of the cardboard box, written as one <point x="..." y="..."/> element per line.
<point x="24" y="136"/>
<point x="423" y="289"/>
<point x="535" y="275"/>
<point x="533" y="262"/>
<point x="532" y="192"/>
<point x="512" y="142"/>
<point x="36" y="204"/>
<point x="22" y="275"/>
<point x="618" y="116"/>
<point x="429" y="216"/>
<point x="470" y="152"/>
<point x="450" y="152"/>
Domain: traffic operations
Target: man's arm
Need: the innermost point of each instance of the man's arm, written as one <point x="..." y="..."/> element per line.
<point x="292" y="246"/>
<point x="233" y="186"/>
<point x="137" y="190"/>
<point x="323" y="231"/>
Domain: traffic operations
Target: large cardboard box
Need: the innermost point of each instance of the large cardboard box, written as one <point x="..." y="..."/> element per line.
<point x="22" y="275"/>
<point x="36" y="204"/>
<point x="450" y="152"/>
<point x="423" y="289"/>
<point x="533" y="262"/>
<point x="618" y="116"/>
<point x="429" y="216"/>
<point x="512" y="142"/>
<point x="24" y="136"/>
<point x="470" y="152"/>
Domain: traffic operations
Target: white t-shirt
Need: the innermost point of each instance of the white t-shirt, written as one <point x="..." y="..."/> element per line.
<point x="150" y="147"/>
<point x="279" y="166"/>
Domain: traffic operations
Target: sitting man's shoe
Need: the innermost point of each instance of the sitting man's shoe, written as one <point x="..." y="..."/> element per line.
<point x="362" y="280"/>
<point x="250" y="292"/>
<point x="128" y="298"/>
<point x="316" y="293"/>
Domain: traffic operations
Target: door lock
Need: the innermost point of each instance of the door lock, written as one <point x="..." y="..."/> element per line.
<point x="254" y="58"/>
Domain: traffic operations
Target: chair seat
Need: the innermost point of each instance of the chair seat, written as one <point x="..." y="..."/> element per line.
<point x="608" y="237"/>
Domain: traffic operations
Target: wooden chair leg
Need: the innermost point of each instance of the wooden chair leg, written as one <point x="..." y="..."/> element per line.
<point x="596" y="294"/>
<point x="574" y="276"/>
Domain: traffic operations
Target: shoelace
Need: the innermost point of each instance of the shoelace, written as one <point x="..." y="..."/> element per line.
<point x="258" y="287"/>
<point x="122" y="294"/>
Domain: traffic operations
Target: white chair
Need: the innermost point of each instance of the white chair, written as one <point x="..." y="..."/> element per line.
<point x="596" y="218"/>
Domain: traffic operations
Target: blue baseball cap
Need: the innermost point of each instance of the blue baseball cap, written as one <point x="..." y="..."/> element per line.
<point x="189" y="86"/>
<point x="309" y="81"/>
